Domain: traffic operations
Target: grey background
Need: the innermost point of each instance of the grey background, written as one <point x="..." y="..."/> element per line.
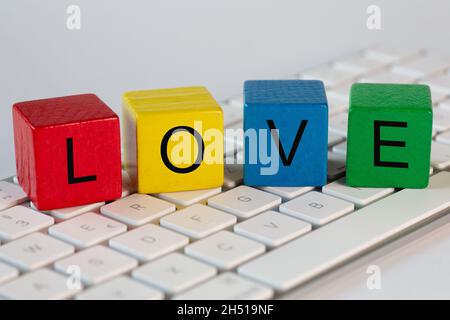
<point x="137" y="44"/>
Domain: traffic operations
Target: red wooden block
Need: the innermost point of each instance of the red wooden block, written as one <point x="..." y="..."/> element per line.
<point x="67" y="151"/>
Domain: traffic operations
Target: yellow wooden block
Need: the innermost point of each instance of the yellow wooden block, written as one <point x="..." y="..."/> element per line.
<point x="173" y="139"/>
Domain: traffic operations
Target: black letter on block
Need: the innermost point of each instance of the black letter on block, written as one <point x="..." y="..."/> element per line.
<point x="378" y="143"/>
<point x="165" y="141"/>
<point x="70" y="166"/>
<point x="287" y="161"/>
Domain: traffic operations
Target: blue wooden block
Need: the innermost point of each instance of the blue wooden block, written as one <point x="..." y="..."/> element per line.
<point x="297" y="113"/>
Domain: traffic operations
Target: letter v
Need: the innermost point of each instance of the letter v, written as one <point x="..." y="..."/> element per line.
<point x="273" y="131"/>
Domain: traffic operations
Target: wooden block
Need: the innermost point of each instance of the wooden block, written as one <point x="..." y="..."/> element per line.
<point x="67" y="151"/>
<point x="173" y="139"/>
<point x="389" y="135"/>
<point x="286" y="120"/>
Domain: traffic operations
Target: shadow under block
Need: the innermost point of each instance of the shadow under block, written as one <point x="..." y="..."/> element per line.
<point x="297" y="113"/>
<point x="389" y="135"/>
<point x="164" y="131"/>
<point x="67" y="151"/>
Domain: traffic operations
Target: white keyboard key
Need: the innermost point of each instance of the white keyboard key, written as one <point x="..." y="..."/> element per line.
<point x="244" y="201"/>
<point x="441" y="119"/>
<point x="360" y="64"/>
<point x="336" y="106"/>
<point x="42" y="284"/>
<point x="187" y="198"/>
<point x="287" y="193"/>
<point x="71" y="212"/>
<point x="174" y="273"/>
<point x="386" y="77"/>
<point x="148" y="242"/>
<point x="272" y="228"/>
<point x="340" y="93"/>
<point x="319" y="251"/>
<point x="87" y="230"/>
<point x="445" y="104"/>
<point x="137" y="209"/>
<point x="236" y="101"/>
<point x="224" y="250"/>
<point x="11" y="195"/>
<point x="18" y="221"/>
<point x="422" y="67"/>
<point x="334" y="138"/>
<point x="121" y="288"/>
<point x="330" y="76"/>
<point x="34" y="251"/>
<point x="340" y="148"/>
<point x="317" y="208"/>
<point x="15" y="180"/>
<point x="440" y="155"/>
<point x="443" y="138"/>
<point x="228" y="286"/>
<point x="7" y="272"/>
<point x="233" y="175"/>
<point x="97" y="264"/>
<point x="359" y="196"/>
<point x="234" y="138"/>
<point x="390" y="55"/>
<point x="440" y="83"/>
<point x="338" y="124"/>
<point x="198" y="221"/>
<point x="231" y="114"/>
<point x="127" y="187"/>
<point x="336" y="165"/>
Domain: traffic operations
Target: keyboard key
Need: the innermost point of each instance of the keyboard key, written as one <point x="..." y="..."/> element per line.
<point x="127" y="186"/>
<point x="317" y="208"/>
<point x="137" y="209"/>
<point x="34" y="251"/>
<point x="443" y="138"/>
<point x="231" y="114"/>
<point x="87" y="230"/>
<point x="441" y="119"/>
<point x="330" y="76"/>
<point x="174" y="273"/>
<point x="272" y="228"/>
<point x="336" y="106"/>
<point x="148" y="242"/>
<point x="336" y="165"/>
<point x="360" y="64"/>
<point x="445" y="104"/>
<point x="228" y="286"/>
<point x="236" y="101"/>
<point x="244" y="201"/>
<point x="334" y="139"/>
<point x="121" y="288"/>
<point x="224" y="250"/>
<point x="97" y="264"/>
<point x="390" y="55"/>
<point x="187" y="198"/>
<point x="359" y="196"/>
<point x="11" y="195"/>
<point x="387" y="77"/>
<point x="338" y="124"/>
<point x="439" y="83"/>
<point x="440" y="155"/>
<point x="198" y="221"/>
<point x="287" y="193"/>
<point x="301" y="260"/>
<point x="42" y="284"/>
<point x="7" y="272"/>
<point x="422" y="67"/>
<point x="340" y="93"/>
<point x="18" y="221"/>
<point x="233" y="175"/>
<point x="340" y="148"/>
<point x="71" y="212"/>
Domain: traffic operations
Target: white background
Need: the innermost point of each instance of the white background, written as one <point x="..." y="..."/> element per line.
<point x="137" y="44"/>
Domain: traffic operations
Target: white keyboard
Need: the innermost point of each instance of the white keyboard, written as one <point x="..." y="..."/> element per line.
<point x="234" y="242"/>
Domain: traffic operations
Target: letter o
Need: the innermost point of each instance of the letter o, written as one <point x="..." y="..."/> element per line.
<point x="165" y="142"/>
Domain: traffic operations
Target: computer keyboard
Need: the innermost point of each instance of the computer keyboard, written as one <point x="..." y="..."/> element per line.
<point x="234" y="242"/>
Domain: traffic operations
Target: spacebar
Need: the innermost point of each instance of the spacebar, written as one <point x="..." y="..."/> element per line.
<point x="333" y="244"/>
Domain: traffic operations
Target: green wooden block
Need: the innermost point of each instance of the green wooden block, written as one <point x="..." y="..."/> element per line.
<point x="389" y="135"/>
